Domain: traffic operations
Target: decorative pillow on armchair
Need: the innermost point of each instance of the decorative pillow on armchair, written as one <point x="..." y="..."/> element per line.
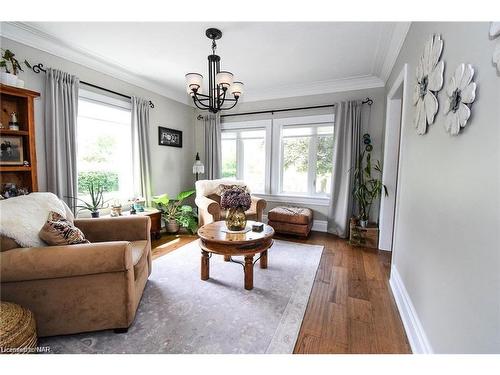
<point x="59" y="231"/>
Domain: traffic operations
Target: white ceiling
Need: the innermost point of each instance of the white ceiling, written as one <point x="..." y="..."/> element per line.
<point x="276" y="59"/>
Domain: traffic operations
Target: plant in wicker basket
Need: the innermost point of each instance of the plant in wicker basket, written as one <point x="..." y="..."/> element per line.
<point x="236" y="201"/>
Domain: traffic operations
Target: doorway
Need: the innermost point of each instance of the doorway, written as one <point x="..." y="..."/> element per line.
<point x="394" y="128"/>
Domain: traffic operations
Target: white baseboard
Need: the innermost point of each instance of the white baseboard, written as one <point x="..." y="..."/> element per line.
<point x="414" y="330"/>
<point x="318" y="225"/>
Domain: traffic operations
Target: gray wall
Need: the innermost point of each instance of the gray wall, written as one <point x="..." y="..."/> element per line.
<point x="171" y="166"/>
<point x="447" y="242"/>
<point x="375" y="127"/>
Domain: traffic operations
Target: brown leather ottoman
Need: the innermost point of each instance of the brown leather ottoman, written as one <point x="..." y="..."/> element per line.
<point x="291" y="220"/>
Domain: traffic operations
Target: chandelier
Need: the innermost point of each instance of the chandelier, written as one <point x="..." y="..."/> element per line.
<point x="220" y="83"/>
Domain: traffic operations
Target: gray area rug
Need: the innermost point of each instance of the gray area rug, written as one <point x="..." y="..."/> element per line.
<point x="179" y="313"/>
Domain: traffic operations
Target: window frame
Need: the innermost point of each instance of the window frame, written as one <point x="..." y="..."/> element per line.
<point x="251" y="125"/>
<point x="313" y="122"/>
<point x="106" y="100"/>
<point x="273" y="167"/>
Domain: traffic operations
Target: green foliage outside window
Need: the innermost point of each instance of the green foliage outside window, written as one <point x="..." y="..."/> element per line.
<point x="297" y="154"/>
<point x="229" y="168"/>
<point x="107" y="181"/>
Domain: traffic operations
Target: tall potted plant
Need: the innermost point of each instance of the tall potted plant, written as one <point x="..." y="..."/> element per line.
<point x="367" y="183"/>
<point x="175" y="214"/>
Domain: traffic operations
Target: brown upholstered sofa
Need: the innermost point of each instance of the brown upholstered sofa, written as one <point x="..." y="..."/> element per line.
<point x="85" y="287"/>
<point x="208" y="202"/>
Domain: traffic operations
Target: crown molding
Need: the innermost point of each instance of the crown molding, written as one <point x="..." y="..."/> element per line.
<point x="33" y="37"/>
<point x="396" y="43"/>
<point x="26" y="34"/>
<point x="316" y="88"/>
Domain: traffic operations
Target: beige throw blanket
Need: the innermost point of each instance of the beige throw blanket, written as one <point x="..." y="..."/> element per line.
<point x="21" y="218"/>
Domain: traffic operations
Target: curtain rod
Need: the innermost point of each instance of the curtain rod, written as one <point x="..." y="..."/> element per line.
<point x="366" y="101"/>
<point x="39" y="68"/>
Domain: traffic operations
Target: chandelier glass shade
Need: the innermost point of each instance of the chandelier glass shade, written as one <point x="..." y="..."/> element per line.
<point x="223" y="92"/>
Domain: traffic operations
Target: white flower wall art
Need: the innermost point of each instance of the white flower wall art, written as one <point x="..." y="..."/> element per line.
<point x="460" y="94"/>
<point x="429" y="82"/>
<point x="495" y="33"/>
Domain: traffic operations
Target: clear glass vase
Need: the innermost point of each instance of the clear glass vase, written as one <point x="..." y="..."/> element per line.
<point x="236" y="219"/>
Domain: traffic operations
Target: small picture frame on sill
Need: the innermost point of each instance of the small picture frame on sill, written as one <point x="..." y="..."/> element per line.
<point x="11" y="150"/>
<point x="169" y="137"/>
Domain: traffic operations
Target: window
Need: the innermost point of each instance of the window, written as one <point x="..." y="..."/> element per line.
<point x="104" y="146"/>
<point x="288" y="157"/>
<point x="245" y="153"/>
<point x="306" y="159"/>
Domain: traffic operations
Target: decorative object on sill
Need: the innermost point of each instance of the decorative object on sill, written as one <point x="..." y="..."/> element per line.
<point x="461" y="93"/>
<point x="10" y="190"/>
<point x="495" y="33"/>
<point x="367" y="188"/>
<point x="11" y="150"/>
<point x="219" y="82"/>
<point x="236" y="201"/>
<point x="198" y="167"/>
<point x="26" y="163"/>
<point x="169" y="137"/>
<point x="116" y="209"/>
<point x="12" y="67"/>
<point x="363" y="236"/>
<point x="13" y="124"/>
<point x="132" y="209"/>
<point x="97" y="202"/>
<point x="175" y="214"/>
<point x="429" y="81"/>
<point x="37" y="68"/>
<point x="139" y="204"/>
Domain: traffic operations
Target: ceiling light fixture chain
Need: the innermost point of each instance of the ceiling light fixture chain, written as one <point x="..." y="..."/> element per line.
<point x="219" y="82"/>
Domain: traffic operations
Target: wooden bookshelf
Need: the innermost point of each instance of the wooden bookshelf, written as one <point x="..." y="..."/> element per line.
<point x="21" y="101"/>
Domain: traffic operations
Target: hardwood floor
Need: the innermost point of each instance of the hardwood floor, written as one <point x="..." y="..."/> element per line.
<point x="351" y="308"/>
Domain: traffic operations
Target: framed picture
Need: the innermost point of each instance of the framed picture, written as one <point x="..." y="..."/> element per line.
<point x="169" y="137"/>
<point x="11" y="150"/>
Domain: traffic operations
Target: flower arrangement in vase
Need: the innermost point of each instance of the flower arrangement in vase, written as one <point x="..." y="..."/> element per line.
<point x="236" y="201"/>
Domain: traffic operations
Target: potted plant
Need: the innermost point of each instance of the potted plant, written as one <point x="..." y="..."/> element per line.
<point x="12" y="67"/>
<point x="97" y="201"/>
<point x="175" y="214"/>
<point x="367" y="187"/>
<point x="236" y="201"/>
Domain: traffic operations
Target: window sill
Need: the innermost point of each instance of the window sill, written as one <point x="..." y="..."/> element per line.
<point x="299" y="199"/>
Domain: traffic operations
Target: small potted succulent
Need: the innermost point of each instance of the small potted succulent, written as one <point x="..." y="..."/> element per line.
<point x="175" y="214"/>
<point x="97" y="201"/>
<point x="236" y="201"/>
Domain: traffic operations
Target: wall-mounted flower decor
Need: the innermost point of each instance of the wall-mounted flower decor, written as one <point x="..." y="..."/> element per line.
<point x="494" y="33"/>
<point x="460" y="93"/>
<point x="429" y="82"/>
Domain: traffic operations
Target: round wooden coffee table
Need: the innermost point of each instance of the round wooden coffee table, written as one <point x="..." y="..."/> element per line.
<point x="214" y="239"/>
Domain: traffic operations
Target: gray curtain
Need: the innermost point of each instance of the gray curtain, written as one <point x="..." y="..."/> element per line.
<point x="212" y="147"/>
<point x="141" y="150"/>
<point x="61" y="112"/>
<point x="346" y="149"/>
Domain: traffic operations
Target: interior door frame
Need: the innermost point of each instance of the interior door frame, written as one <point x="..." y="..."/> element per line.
<point x="395" y="122"/>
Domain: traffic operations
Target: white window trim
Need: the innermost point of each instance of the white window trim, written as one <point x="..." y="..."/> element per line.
<point x="309" y="121"/>
<point x="273" y="148"/>
<point x="104" y="99"/>
<point x="249" y="125"/>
